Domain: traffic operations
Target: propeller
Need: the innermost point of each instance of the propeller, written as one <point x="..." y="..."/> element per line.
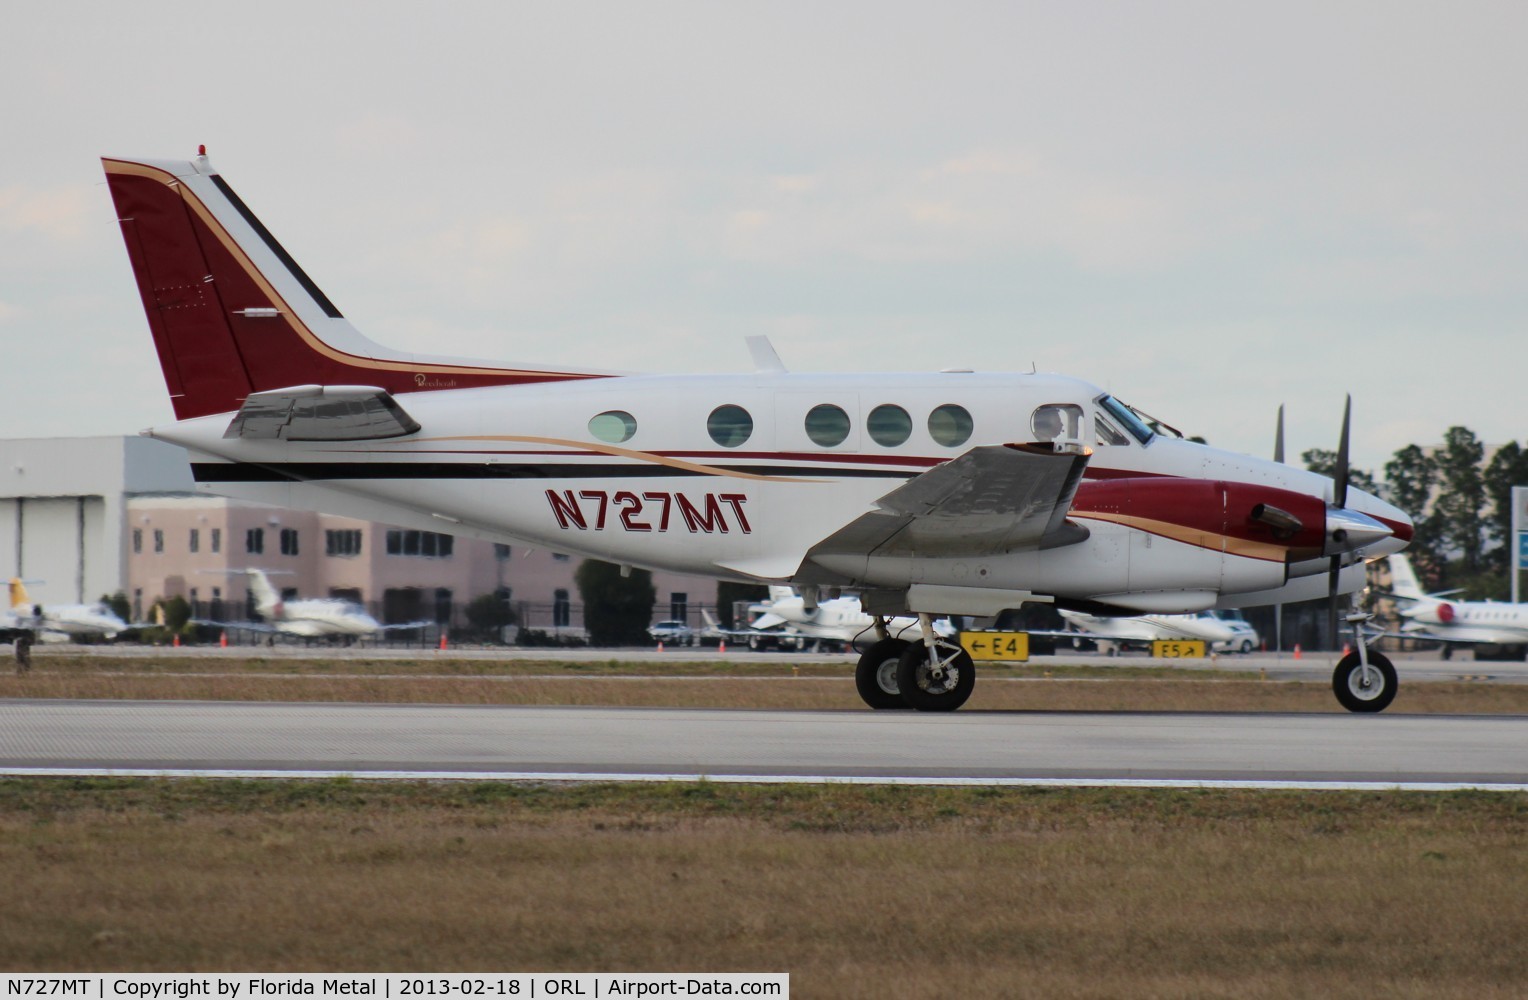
<point x="1278" y="610"/>
<point x="1339" y="501"/>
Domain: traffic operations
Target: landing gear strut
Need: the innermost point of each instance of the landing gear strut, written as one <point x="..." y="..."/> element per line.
<point x="1364" y="681"/>
<point x="936" y="675"/>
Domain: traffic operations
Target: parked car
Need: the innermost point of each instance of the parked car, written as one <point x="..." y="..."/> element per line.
<point x="672" y="633"/>
<point x="1245" y="639"/>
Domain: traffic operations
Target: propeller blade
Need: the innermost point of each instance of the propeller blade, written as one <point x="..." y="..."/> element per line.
<point x="1278" y="437"/>
<point x="1340" y="497"/>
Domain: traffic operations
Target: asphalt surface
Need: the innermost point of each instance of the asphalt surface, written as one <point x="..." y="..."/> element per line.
<point x="487" y="742"/>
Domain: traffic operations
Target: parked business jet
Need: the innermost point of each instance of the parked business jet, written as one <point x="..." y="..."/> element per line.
<point x="1146" y="629"/>
<point x="929" y="494"/>
<point x="1431" y="617"/>
<point x="312" y="618"/>
<point x="61" y="622"/>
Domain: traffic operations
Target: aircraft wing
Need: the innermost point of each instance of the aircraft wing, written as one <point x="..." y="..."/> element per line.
<point x="321" y="413"/>
<point x="994" y="498"/>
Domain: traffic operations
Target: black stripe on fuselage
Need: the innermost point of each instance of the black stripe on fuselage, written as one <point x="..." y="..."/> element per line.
<point x="297" y="472"/>
<point x="277" y="249"/>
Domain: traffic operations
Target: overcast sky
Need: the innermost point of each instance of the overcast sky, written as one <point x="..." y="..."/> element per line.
<point x="1208" y="208"/>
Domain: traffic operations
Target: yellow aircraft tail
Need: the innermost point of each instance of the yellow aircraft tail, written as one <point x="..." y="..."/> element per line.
<point x="19" y="598"/>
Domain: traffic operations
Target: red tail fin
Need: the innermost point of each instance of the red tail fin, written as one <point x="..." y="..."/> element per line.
<point x="232" y="313"/>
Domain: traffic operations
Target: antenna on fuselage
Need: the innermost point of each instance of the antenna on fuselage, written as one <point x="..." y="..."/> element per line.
<point x="764" y="357"/>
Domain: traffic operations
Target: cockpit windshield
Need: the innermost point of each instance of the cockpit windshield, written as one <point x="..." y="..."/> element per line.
<point x="1126" y="417"/>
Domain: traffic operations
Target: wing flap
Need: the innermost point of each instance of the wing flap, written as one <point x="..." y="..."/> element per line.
<point x="321" y="413"/>
<point x="991" y="499"/>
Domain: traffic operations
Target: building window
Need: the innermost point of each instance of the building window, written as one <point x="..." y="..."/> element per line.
<point x="345" y="542"/>
<point x="217" y="539"/>
<point x="216" y="612"/>
<point x="430" y="544"/>
<point x="442" y="605"/>
<point x="500" y="552"/>
<point x="560" y="557"/>
<point x="289" y="541"/>
<point x="254" y="541"/>
<point x="679" y="606"/>
<point x="158" y="540"/>
<point x="561" y="609"/>
<point x="137" y="540"/>
<point x="137" y="604"/>
<point x="194" y="543"/>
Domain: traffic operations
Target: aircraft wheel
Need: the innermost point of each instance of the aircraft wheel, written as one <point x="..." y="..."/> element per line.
<point x="876" y="674"/>
<point x="1354" y="693"/>
<point x="943" y="687"/>
<point x="23" y="654"/>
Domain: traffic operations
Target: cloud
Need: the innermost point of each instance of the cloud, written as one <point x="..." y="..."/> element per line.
<point x="63" y="215"/>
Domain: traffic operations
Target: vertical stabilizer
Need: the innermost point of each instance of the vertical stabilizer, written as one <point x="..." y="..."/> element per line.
<point x="267" y="601"/>
<point x="232" y="313"/>
<point x="1403" y="579"/>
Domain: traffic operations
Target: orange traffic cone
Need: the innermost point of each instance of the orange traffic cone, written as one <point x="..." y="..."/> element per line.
<point x="1346" y="649"/>
<point x="223" y="640"/>
<point x="721" y="647"/>
<point x="443" y="640"/>
<point x="1297" y="650"/>
<point x="176" y="641"/>
<point x="660" y="645"/>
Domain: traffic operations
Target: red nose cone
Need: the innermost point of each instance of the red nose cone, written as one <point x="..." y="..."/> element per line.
<point x="1445" y="613"/>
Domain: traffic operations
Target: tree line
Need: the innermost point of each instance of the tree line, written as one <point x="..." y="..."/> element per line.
<point x="1461" y="503"/>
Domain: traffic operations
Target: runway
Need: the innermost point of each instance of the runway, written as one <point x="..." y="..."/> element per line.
<point x="554" y="743"/>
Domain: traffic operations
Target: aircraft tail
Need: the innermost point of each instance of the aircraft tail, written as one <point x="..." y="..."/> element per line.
<point x="232" y="313"/>
<point x="781" y="593"/>
<point x="267" y="601"/>
<point x="1403" y="578"/>
<point x="20" y="600"/>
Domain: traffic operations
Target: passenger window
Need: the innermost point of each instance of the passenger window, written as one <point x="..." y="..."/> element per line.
<point x="889" y="425"/>
<point x="950" y="425"/>
<point x="1106" y="433"/>
<point x="827" y="425"/>
<point x="729" y="426"/>
<point x="1058" y="424"/>
<point x="614" y="426"/>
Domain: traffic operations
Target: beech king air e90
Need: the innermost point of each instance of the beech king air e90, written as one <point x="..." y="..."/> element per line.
<point x="927" y="494"/>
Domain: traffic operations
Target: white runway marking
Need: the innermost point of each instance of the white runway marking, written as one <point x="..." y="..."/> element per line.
<point x="759" y="779"/>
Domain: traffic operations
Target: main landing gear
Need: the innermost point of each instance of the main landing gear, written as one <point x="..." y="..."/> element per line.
<point x="934" y="675"/>
<point x="1364" y="680"/>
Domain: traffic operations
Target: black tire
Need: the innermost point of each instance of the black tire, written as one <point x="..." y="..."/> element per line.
<point x="876" y="674"/>
<point x="1347" y="683"/>
<point x="921" y="690"/>
<point x="1246" y="646"/>
<point x="23" y="654"/>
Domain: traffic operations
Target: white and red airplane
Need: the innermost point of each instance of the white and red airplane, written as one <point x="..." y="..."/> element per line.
<point x="929" y="494"/>
<point x="1431" y="617"/>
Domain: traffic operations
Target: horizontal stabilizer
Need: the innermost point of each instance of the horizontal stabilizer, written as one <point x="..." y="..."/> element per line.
<point x="321" y="413"/>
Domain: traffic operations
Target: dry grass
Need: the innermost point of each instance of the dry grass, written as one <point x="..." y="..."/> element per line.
<point x="857" y="892"/>
<point x="1178" y="692"/>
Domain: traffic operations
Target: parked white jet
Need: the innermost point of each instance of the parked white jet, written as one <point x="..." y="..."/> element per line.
<point x="60" y="622"/>
<point x="1145" y="629"/>
<point x="311" y="618"/>
<point x="929" y="494"/>
<point x="1430" y="617"/>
